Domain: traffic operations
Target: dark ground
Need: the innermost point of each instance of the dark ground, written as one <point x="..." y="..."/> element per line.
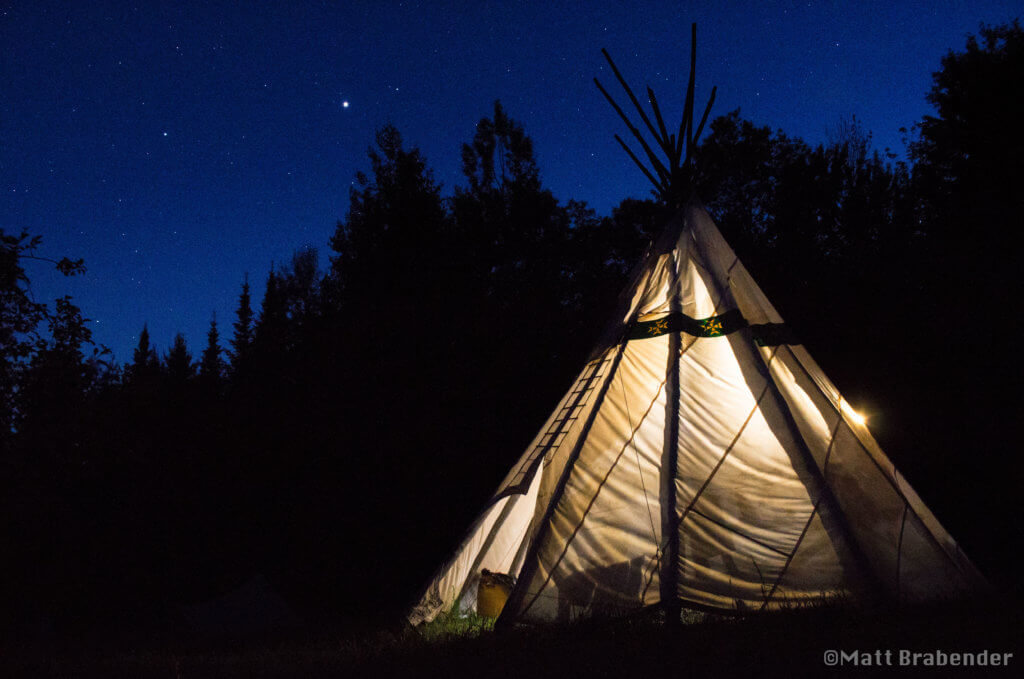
<point x="790" y="643"/>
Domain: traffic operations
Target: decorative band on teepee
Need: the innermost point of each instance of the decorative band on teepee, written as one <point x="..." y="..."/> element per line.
<point x="765" y="334"/>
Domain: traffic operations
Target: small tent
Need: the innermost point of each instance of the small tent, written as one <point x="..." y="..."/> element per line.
<point x="701" y="458"/>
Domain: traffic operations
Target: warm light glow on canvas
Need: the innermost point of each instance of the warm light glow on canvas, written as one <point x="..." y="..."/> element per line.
<point x="851" y="413"/>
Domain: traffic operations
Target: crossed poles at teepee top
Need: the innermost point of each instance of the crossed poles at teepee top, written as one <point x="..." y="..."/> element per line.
<point x="672" y="180"/>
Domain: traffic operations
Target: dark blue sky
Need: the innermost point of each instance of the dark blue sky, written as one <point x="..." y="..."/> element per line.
<point x="176" y="146"/>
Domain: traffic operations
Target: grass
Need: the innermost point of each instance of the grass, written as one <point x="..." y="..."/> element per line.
<point x="451" y="625"/>
<point x="786" y="643"/>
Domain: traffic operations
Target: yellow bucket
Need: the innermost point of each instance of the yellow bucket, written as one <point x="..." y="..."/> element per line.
<point x="492" y="593"/>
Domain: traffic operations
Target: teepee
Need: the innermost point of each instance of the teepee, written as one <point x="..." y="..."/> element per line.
<point x="701" y="458"/>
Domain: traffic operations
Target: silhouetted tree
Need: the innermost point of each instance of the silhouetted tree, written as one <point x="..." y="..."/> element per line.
<point x="970" y="157"/>
<point x="968" y="165"/>
<point x="271" y="330"/>
<point x="968" y="161"/>
<point x="241" y="343"/>
<point x="505" y="215"/>
<point x="301" y="284"/>
<point x="850" y="133"/>
<point x="20" y="317"/>
<point x="816" y="225"/>
<point x="211" y="366"/>
<point x="145" y="365"/>
<point x="500" y="156"/>
<point x="602" y="254"/>
<point x="385" y="273"/>
<point x="393" y="215"/>
<point x="44" y="382"/>
<point x="59" y="377"/>
<point x="178" y="362"/>
<point x="515" y="229"/>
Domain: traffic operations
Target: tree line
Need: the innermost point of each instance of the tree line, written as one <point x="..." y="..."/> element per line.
<point x="339" y="437"/>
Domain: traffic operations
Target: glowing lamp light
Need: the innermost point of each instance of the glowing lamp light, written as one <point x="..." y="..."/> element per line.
<point x="851" y="413"/>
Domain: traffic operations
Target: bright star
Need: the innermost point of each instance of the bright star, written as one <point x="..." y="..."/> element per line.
<point x="344" y="104"/>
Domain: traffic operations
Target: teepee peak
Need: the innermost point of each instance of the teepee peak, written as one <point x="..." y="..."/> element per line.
<point x="671" y="171"/>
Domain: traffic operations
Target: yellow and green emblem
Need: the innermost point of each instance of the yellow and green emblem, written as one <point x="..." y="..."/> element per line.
<point x="712" y="327"/>
<point x="658" y="327"/>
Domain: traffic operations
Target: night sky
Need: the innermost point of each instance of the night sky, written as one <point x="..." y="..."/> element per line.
<point x="177" y="147"/>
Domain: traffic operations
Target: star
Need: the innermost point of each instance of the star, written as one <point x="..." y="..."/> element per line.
<point x="344" y="104"/>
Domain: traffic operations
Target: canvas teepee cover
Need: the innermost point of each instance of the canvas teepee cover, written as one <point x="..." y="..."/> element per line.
<point x="700" y="458"/>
